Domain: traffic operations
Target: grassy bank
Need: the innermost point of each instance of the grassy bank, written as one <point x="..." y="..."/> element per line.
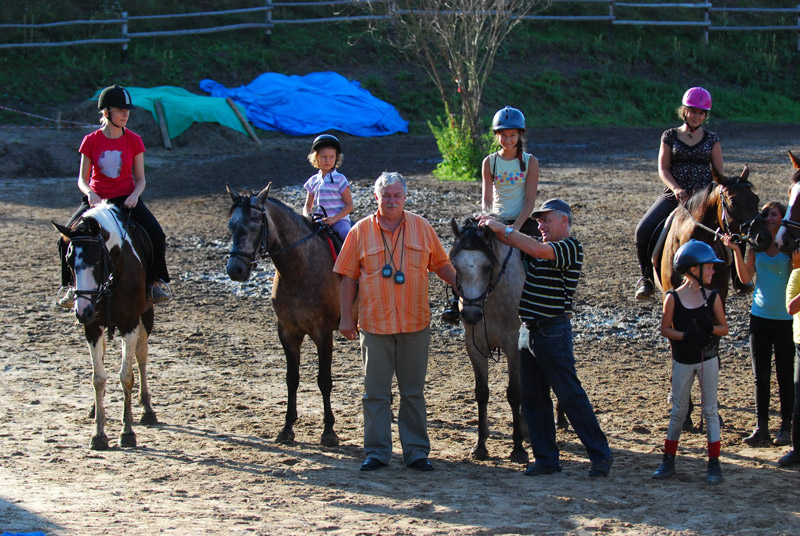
<point x="560" y="74"/>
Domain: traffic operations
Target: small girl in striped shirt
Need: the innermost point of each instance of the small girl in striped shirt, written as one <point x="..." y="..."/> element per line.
<point x="328" y="192"/>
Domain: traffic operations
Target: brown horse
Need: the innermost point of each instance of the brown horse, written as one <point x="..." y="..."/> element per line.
<point x="727" y="205"/>
<point x="490" y="278"/>
<point x="305" y="292"/>
<point x="106" y="253"/>
<point x="788" y="237"/>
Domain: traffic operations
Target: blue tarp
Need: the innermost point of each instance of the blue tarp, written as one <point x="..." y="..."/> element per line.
<point x="317" y="102"/>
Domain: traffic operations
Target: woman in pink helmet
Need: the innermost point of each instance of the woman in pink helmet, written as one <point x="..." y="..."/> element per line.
<point x="687" y="154"/>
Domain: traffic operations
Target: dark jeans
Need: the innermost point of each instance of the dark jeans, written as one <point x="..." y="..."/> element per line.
<point x="765" y="336"/>
<point x="658" y="212"/>
<point x="141" y="215"/>
<point x="547" y="361"/>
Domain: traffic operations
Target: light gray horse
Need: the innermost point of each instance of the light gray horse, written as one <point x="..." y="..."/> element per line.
<point x="490" y="278"/>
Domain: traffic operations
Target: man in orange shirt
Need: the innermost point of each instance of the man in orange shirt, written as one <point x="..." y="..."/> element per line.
<point x="387" y="256"/>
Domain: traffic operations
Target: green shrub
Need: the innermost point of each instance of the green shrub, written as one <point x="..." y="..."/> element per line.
<point x="461" y="152"/>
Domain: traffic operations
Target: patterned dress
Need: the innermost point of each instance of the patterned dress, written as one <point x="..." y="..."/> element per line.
<point x="690" y="165"/>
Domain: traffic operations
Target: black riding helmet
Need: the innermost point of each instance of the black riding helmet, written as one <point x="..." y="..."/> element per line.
<point x="116" y="96"/>
<point x="326" y="140"/>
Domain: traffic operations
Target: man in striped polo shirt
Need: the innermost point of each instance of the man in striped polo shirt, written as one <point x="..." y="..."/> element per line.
<point x="546" y="356"/>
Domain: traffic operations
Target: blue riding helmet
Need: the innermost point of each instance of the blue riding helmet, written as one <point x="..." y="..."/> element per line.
<point x="694" y="253"/>
<point x="508" y="118"/>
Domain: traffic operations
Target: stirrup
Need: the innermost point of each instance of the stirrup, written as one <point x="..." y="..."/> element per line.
<point x="160" y="292"/>
<point x="67" y="297"/>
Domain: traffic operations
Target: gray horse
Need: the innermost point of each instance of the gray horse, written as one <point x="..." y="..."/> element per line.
<point x="490" y="278"/>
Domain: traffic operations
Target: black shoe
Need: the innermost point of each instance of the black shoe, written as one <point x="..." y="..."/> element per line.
<point x="759" y="436"/>
<point x="421" y="464"/>
<point x="790" y="458"/>
<point x="645" y="289"/>
<point x="370" y="464"/>
<point x="601" y="467"/>
<point x="784" y="436"/>
<point x="714" y="474"/>
<point x="537" y="468"/>
<point x="667" y="467"/>
<point x="451" y="314"/>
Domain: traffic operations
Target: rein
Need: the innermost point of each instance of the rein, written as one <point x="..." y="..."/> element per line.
<point x="726" y="210"/>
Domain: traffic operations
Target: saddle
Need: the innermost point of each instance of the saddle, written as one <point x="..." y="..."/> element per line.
<point x="327" y="232"/>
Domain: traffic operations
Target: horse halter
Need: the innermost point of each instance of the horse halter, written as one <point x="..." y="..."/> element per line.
<point x="472" y="242"/>
<point x="793" y="228"/>
<point x="746" y="226"/>
<point x="107" y="272"/>
<point x="261" y="249"/>
<point x="245" y="203"/>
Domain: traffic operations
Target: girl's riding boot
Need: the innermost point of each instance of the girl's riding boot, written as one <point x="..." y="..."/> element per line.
<point x="784" y="435"/>
<point x="667" y="467"/>
<point x="714" y="475"/>
<point x="793" y="456"/>
<point x="760" y="434"/>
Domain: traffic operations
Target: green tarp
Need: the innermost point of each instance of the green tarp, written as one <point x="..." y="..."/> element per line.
<point x="182" y="108"/>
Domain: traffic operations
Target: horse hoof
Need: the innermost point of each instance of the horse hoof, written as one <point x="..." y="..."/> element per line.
<point x="285" y="437"/>
<point x="148" y="417"/>
<point x="330" y="439"/>
<point x="480" y="453"/>
<point x="100" y="442"/>
<point x="519" y="455"/>
<point x="127" y="439"/>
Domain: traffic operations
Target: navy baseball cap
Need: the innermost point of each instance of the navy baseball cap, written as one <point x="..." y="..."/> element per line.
<point x="552" y="204"/>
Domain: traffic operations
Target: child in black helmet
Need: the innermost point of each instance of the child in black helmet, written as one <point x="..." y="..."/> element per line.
<point x="112" y="169"/>
<point x="328" y="192"/>
<point x="693" y="321"/>
<point x="510" y="181"/>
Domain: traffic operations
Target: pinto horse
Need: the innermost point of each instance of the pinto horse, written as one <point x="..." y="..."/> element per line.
<point x="490" y="278"/>
<point x="106" y="253"/>
<point x="788" y="237"/>
<point x="305" y="291"/>
<point x="727" y="205"/>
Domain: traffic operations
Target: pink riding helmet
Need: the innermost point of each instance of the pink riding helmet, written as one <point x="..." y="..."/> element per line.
<point x="697" y="97"/>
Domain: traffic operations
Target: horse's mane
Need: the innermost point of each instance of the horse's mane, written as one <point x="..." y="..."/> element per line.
<point x="699" y="200"/>
<point x="246" y="199"/>
<point x="472" y="237"/>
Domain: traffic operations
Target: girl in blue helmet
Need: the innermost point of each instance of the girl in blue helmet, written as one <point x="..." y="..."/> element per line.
<point x="693" y="321"/>
<point x="510" y="181"/>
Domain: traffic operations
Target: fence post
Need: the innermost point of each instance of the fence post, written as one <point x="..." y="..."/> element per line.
<point x="268" y="29"/>
<point x="707" y="20"/>
<point x="611" y="22"/>
<point x="124" y="54"/>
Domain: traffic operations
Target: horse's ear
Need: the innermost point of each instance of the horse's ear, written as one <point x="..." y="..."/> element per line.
<point x="795" y="160"/>
<point x="64" y="230"/>
<point x="745" y="173"/>
<point x="263" y="194"/>
<point x="234" y="195"/>
<point x="454" y="227"/>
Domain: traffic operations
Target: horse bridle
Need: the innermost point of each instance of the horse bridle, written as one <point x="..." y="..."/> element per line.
<point x="107" y="275"/>
<point x="262" y="249"/>
<point x="744" y="227"/>
<point x="793" y="228"/>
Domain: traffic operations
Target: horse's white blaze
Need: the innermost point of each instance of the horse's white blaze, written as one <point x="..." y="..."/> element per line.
<point x="84" y="279"/>
<point x="107" y="218"/>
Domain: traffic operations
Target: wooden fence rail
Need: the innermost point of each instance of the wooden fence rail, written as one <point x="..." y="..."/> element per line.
<point x="706" y="9"/>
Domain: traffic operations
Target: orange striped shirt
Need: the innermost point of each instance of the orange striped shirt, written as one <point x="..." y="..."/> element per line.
<point x="384" y="307"/>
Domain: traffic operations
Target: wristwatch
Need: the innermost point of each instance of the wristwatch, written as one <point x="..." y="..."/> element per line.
<point x="509" y="230"/>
